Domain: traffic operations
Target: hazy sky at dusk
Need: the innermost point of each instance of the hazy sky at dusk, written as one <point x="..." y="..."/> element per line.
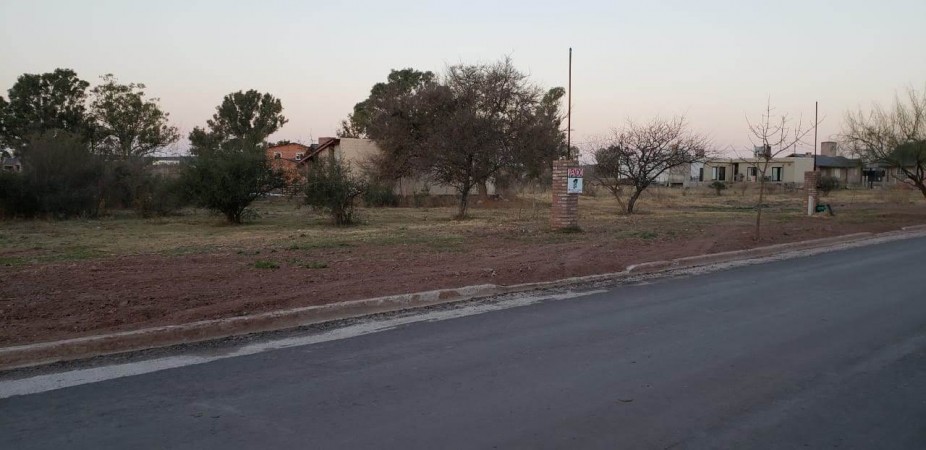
<point x="714" y="61"/>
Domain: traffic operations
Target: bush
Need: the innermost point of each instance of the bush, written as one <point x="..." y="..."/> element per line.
<point x="826" y="184"/>
<point x="229" y="177"/>
<point x="160" y="196"/>
<point x="332" y="188"/>
<point x="60" y="178"/>
<point x="262" y="264"/>
<point x="380" y="195"/>
<point x="718" y="186"/>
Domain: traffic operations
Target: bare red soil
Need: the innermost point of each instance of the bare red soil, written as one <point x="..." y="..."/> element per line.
<point x="44" y="302"/>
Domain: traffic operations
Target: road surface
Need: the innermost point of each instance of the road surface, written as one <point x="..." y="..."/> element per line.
<point x="827" y="351"/>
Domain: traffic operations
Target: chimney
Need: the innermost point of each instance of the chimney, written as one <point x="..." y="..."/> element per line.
<point x="828" y="148"/>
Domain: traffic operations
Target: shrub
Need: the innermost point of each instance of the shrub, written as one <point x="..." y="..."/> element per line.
<point x="718" y="186"/>
<point x="229" y="177"/>
<point x="60" y="178"/>
<point x="380" y="195"/>
<point x="160" y="196"/>
<point x="330" y="187"/>
<point x="266" y="265"/>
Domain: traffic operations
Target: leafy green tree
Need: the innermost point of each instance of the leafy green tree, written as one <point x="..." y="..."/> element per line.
<point x="393" y="115"/>
<point x="249" y="117"/>
<point x="127" y="124"/>
<point x="43" y="102"/>
<point x="230" y="169"/>
<point x="386" y="99"/>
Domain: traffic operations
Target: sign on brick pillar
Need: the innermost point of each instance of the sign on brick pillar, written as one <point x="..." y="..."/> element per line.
<point x="810" y="192"/>
<point x="567" y="185"/>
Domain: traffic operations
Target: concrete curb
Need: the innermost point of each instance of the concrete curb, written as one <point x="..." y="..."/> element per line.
<point x="91" y="346"/>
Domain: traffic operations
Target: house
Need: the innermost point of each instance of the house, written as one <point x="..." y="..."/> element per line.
<point x="286" y="156"/>
<point x="788" y="169"/>
<point x="11" y="164"/>
<point x="680" y="175"/>
<point x="829" y="163"/>
<point x="358" y="154"/>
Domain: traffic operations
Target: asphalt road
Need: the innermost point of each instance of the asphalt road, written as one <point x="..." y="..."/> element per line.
<point x="818" y="352"/>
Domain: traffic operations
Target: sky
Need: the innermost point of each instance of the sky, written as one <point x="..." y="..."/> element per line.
<point x="715" y="62"/>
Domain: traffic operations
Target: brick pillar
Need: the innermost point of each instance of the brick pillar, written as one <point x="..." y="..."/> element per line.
<point x="810" y="192"/>
<point x="565" y="211"/>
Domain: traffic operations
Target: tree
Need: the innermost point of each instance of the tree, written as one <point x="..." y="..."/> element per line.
<point x="385" y="100"/>
<point x="462" y="146"/>
<point x="771" y="136"/>
<point x="894" y="137"/>
<point x="393" y="115"/>
<point x="230" y="169"/>
<point x="127" y="124"/>
<point x="636" y="155"/>
<point x="249" y="117"/>
<point x="471" y="126"/>
<point x="43" y="102"/>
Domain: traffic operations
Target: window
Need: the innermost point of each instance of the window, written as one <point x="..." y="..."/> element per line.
<point x="752" y="171"/>
<point x="720" y="173"/>
<point x="277" y="155"/>
<point x="298" y="155"/>
<point x="776" y="173"/>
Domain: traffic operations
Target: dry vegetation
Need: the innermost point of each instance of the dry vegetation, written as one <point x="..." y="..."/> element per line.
<point x="80" y="277"/>
<point x="282" y="225"/>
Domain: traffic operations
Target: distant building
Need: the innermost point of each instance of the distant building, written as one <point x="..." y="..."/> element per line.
<point x="11" y="164"/>
<point x="788" y="169"/>
<point x="358" y="154"/>
<point x="286" y="157"/>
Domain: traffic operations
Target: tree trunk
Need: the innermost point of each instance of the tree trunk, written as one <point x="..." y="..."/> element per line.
<point x="633" y="200"/>
<point x="464" y="200"/>
<point x="758" y="233"/>
<point x="922" y="187"/>
<point x="233" y="217"/>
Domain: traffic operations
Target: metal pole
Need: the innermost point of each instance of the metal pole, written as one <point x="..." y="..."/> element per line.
<point x="569" y="111"/>
<point x="816" y="112"/>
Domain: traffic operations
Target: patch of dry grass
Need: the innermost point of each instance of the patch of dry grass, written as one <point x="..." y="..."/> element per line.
<point x="664" y="213"/>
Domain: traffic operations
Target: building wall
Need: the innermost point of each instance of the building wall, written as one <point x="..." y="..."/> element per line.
<point x="847" y="176"/>
<point x="358" y="153"/>
<point x="287" y="151"/>
<point x="284" y="158"/>
<point x="792" y="169"/>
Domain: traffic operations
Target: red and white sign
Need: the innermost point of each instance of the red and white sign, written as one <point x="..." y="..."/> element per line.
<point x="575" y="172"/>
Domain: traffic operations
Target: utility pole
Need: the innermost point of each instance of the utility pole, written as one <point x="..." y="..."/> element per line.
<point x="569" y="111"/>
<point x="816" y="112"/>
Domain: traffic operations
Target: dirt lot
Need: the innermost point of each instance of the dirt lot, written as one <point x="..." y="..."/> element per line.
<point x="76" y="278"/>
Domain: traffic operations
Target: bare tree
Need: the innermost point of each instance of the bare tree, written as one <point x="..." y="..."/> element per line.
<point x="635" y="156"/>
<point x="895" y="137"/>
<point x="772" y="135"/>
